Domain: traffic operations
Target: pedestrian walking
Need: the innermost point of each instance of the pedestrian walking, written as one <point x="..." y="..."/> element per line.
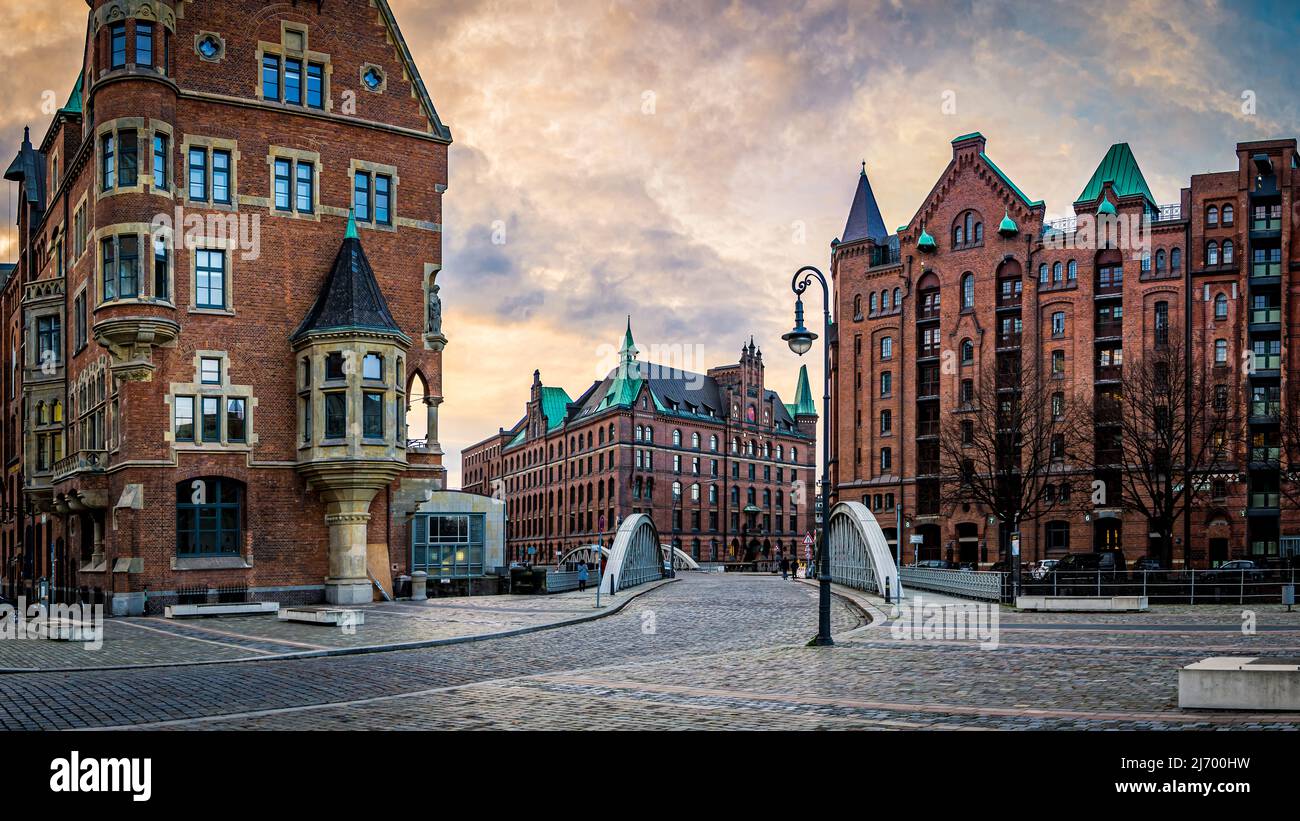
<point x="794" y="568"/>
<point x="785" y="567"/>
<point x="582" y="576"/>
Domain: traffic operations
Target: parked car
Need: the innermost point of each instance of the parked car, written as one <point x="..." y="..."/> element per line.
<point x="1090" y="574"/>
<point x="1148" y="563"/>
<point x="1000" y="566"/>
<point x="935" y="564"/>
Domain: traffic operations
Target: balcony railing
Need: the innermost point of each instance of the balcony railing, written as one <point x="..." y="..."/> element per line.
<point x="1265" y="410"/>
<point x="1267" y="361"/>
<point x="1266" y="269"/>
<point x="1168" y="213"/>
<point x="927" y="389"/>
<point x="1266" y="454"/>
<point x="1261" y="316"/>
<point x="1110" y="373"/>
<point x="83" y="461"/>
<point x="1109" y="329"/>
<point x="1266" y="224"/>
<point x="1009" y="340"/>
<point x="1265" y="501"/>
<point x="927" y="428"/>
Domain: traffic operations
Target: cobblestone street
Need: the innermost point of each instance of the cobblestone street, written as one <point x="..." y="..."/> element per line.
<point x="708" y="651"/>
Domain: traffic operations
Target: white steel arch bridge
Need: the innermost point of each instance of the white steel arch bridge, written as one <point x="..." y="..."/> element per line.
<point x="860" y="556"/>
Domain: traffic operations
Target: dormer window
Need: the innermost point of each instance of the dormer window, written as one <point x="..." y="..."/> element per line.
<point x="291" y="74"/>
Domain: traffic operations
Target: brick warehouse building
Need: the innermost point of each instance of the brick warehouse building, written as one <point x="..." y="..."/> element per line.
<point x="962" y="291"/>
<point x="717" y="460"/>
<point x="224" y="405"/>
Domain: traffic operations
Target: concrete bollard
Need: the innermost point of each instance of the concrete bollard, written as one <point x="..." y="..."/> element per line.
<point x="418" y="581"/>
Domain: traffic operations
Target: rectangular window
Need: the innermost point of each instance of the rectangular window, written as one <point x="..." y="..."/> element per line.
<point x="293" y="81"/>
<point x="109" y="268"/>
<point x="143" y="43"/>
<point x="315" y="85"/>
<point x="210" y="279"/>
<point x="235" y="421"/>
<point x="49" y="340"/>
<point x="361" y="196"/>
<point x="383" y="199"/>
<point x="211" y="430"/>
<point x="372" y="415"/>
<point x="336" y="415"/>
<point x="185" y="419"/>
<point x="161" y="268"/>
<point x="282" y="180"/>
<point x="128" y="171"/>
<point x="333" y="366"/>
<point x="108" y="176"/>
<point x="305" y="187"/>
<point x="79" y="320"/>
<point x="271" y="78"/>
<point x="221" y="177"/>
<point x="210" y="371"/>
<point x="198" y="174"/>
<point x="128" y="266"/>
<point x="160" y="175"/>
<point x="117" y="45"/>
<point x="372" y="367"/>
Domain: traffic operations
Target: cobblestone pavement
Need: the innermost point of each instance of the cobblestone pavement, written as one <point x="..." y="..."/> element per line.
<point x="709" y="652"/>
<point x="156" y="640"/>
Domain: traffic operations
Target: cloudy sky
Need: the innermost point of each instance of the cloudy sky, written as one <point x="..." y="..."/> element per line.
<point x="677" y="161"/>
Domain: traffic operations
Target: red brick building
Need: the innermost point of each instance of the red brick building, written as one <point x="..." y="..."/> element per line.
<point x="208" y="361"/>
<point x="961" y="290"/>
<point x="724" y="467"/>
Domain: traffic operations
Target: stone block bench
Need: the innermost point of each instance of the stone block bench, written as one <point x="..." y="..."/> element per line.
<point x="1240" y="683"/>
<point x="243" y="608"/>
<point x="1082" y="604"/>
<point x="331" y="616"/>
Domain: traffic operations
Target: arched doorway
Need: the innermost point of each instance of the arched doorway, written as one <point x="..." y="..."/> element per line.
<point x="931" y="543"/>
<point x="968" y="544"/>
<point x="1108" y="534"/>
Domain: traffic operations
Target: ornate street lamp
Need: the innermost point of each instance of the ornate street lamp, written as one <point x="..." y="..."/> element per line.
<point x="800" y="340"/>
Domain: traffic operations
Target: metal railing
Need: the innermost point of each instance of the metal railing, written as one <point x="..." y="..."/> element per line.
<point x="1165" y="586"/>
<point x="972" y="584"/>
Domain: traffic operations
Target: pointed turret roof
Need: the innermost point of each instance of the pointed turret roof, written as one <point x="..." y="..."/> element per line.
<point x="28" y="168"/>
<point x="1119" y="168"/>
<point x="350" y="299"/>
<point x="864" y="221"/>
<point x="803" y="401"/>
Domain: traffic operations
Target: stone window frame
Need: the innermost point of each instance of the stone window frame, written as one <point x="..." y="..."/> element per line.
<point x="157" y="127"/>
<point x="282" y="50"/>
<point x="374" y="169"/>
<point x="209" y="144"/>
<point x="224" y="391"/>
<point x="78" y="344"/>
<point x="192" y="247"/>
<point x="200" y="36"/>
<point x="81" y="233"/>
<point x="294" y="156"/>
<point x="142" y="144"/>
<point x="144" y="287"/>
<point x="383" y="78"/>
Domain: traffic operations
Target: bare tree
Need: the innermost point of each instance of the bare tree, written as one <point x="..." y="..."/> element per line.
<point x="1169" y="432"/>
<point x="1288" y="445"/>
<point x="1009" y="447"/>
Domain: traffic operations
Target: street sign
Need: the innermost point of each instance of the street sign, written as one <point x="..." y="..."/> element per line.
<point x="807" y="540"/>
<point x="916" y="540"/>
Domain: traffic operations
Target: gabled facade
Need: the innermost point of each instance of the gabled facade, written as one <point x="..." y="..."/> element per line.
<point x="980" y="283"/>
<point x="185" y="247"/>
<point x="723" y="466"/>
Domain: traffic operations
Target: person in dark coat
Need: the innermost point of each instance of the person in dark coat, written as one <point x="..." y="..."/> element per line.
<point x="785" y="567"/>
<point x="582" y="576"/>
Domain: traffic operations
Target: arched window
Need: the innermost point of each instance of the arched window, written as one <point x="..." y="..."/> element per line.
<point x="209" y="517"/>
<point x="1072" y="270"/>
<point x="713" y="494"/>
<point x="695" y="441"/>
<point x="713" y="443"/>
<point x="794" y="454"/>
<point x="1057" y="279"/>
<point x="1220" y="351"/>
<point x="780" y="452"/>
<point x="857" y="306"/>
<point x="873" y="302"/>
<point x="886" y="348"/>
<point x="967" y="352"/>
<point x="884" y="300"/>
<point x="695" y="492"/>
<point x="1043" y="274"/>
<point x="1227" y="252"/>
<point x="1211" y="216"/>
<point x="958" y="236"/>
<point x="897" y="299"/>
<point x="1221" y="307"/>
<point x="1160" y="261"/>
<point x="735" y="445"/>
<point x="967" y="291"/>
<point x="979" y="232"/>
<point x="1175" y="261"/>
<point x="735" y="495"/>
<point x="1212" y="253"/>
<point x="1227" y="215"/>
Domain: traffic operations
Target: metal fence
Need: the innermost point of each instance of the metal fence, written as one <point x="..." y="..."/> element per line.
<point x="1254" y="586"/>
<point x="972" y="584"/>
<point x="562" y="581"/>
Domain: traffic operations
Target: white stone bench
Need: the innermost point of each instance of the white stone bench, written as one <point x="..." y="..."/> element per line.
<point x="245" y="608"/>
<point x="1240" y="683"/>
<point x="331" y="616"/>
<point x="1076" y="604"/>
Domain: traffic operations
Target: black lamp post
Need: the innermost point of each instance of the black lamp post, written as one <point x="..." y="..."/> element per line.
<point x="800" y="341"/>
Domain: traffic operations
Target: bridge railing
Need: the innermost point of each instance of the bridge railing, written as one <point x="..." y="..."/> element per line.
<point x="985" y="585"/>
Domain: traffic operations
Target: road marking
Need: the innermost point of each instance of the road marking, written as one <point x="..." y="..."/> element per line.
<point x="195" y="638"/>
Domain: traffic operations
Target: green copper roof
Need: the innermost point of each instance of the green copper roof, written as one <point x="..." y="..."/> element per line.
<point x="993" y="167"/>
<point x="803" y="401"/>
<point x="628" y="344"/>
<point x="351" y="233"/>
<point x="555" y="406"/>
<point x="1120" y="169"/>
<point x="965" y="137"/>
<point x="73" y="106"/>
<point x="1008" y="225"/>
<point x="925" y="242"/>
<point x="1105" y="207"/>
